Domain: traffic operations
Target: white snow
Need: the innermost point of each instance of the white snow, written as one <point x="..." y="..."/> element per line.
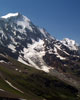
<point x="13" y="41"/>
<point x="2" y="55"/>
<point x="71" y="44"/>
<point x="45" y="33"/>
<point x="25" y="23"/>
<point x="19" y="37"/>
<point x="22" y="99"/>
<point x="1" y="90"/>
<point x="65" y="65"/>
<point x="14" y="32"/>
<point x="57" y="54"/>
<point x="45" y="68"/>
<point x="76" y="56"/>
<point x="20" y="71"/>
<point x="33" y="54"/>
<point x="42" y="31"/>
<point x="32" y="63"/>
<point x="33" y="41"/>
<point x="16" y="69"/>
<point x="12" y="47"/>
<point x="2" y="61"/>
<point x="20" y="59"/>
<point x="10" y="15"/>
<point x="22" y="20"/>
<point x="13" y="86"/>
<point x="2" y="34"/>
<point x="58" y="46"/>
<point x="66" y="53"/>
<point x="50" y="51"/>
<point x="62" y="58"/>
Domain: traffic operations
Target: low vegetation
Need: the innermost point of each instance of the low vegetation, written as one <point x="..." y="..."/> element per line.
<point x="35" y="84"/>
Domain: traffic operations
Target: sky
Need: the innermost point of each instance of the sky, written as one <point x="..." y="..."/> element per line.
<point x="61" y="18"/>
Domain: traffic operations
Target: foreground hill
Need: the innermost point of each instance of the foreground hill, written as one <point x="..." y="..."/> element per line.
<point x="20" y="81"/>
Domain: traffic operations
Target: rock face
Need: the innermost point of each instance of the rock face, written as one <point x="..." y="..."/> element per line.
<point x="33" y="46"/>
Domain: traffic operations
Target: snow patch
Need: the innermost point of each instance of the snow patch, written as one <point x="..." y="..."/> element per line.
<point x="71" y="44"/>
<point x="25" y="23"/>
<point x="13" y="86"/>
<point x="10" y="15"/>
<point x="20" y="59"/>
<point x="12" y="47"/>
<point x="13" y="41"/>
<point x="42" y="31"/>
<point x="2" y="61"/>
<point x="22" y="99"/>
<point x="57" y="54"/>
<point x="62" y="58"/>
<point x="16" y="69"/>
<point x="1" y="90"/>
<point x="34" y="55"/>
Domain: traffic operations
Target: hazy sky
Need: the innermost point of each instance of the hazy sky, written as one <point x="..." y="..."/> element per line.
<point x="61" y="18"/>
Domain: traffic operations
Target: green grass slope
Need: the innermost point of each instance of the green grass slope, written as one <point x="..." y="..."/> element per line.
<point x="35" y="84"/>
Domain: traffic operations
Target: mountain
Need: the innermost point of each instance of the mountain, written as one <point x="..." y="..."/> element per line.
<point x="33" y="46"/>
<point x="18" y="34"/>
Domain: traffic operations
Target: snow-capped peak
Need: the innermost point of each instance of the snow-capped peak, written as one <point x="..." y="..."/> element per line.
<point x="71" y="44"/>
<point x="10" y="15"/>
<point x="18" y="19"/>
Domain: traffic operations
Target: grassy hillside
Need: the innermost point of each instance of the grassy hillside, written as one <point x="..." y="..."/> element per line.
<point x="35" y="84"/>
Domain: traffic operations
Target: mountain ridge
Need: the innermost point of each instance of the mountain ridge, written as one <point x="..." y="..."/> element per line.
<point x="21" y="33"/>
<point x="33" y="46"/>
<point x="29" y="53"/>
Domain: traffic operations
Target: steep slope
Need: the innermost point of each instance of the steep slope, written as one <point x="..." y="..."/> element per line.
<point x="20" y="81"/>
<point x="29" y="43"/>
<point x="18" y="34"/>
<point x="71" y="44"/>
